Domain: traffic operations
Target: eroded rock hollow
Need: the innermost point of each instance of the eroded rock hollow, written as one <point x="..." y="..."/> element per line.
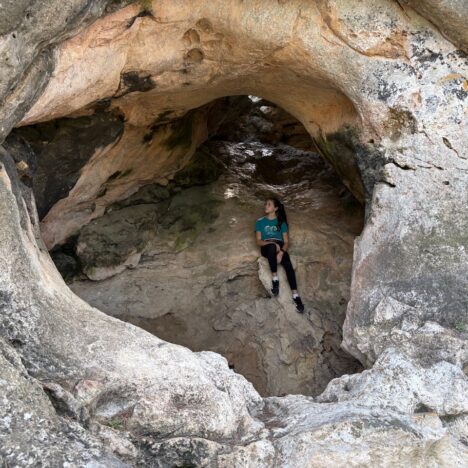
<point x="179" y="260"/>
<point x="135" y="160"/>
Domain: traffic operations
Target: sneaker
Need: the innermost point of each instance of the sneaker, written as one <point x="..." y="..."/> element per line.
<point x="275" y="288"/>
<point x="299" y="304"/>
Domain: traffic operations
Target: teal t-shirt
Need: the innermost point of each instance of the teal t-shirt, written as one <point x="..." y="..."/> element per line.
<point x="269" y="228"/>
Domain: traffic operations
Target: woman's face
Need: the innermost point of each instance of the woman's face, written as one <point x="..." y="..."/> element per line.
<point x="270" y="207"/>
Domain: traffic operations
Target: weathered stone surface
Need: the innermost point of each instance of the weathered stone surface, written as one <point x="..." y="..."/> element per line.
<point x="450" y="16"/>
<point x="61" y="148"/>
<point x="386" y="71"/>
<point x="116" y="170"/>
<point x="28" y="34"/>
<point x="31" y="432"/>
<point x="115" y="241"/>
<point x="416" y="391"/>
<point x="99" y="386"/>
<point x="197" y="279"/>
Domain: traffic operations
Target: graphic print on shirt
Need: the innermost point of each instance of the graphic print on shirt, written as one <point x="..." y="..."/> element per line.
<point x="271" y="230"/>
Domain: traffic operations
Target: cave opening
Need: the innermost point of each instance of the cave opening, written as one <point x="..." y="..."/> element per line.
<point x="176" y="255"/>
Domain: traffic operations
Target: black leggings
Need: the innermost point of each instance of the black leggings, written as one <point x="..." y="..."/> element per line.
<point x="269" y="251"/>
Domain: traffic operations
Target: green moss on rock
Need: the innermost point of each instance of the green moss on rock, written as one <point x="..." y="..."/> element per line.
<point x="190" y="213"/>
<point x="147" y="5"/>
<point x="400" y="121"/>
<point x="202" y="169"/>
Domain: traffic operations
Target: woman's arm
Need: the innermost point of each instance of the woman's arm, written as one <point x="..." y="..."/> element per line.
<point x="261" y="242"/>
<point x="286" y="241"/>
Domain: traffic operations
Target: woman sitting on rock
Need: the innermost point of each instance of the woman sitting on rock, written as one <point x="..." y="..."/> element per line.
<point x="271" y="233"/>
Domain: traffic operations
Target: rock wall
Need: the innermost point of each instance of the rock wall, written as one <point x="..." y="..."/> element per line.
<point x="180" y="261"/>
<point x="119" y="395"/>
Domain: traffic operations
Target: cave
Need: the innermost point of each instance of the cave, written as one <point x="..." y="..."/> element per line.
<point x="177" y="258"/>
<point x="138" y="138"/>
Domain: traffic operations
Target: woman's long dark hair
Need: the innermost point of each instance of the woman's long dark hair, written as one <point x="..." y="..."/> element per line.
<point x="281" y="213"/>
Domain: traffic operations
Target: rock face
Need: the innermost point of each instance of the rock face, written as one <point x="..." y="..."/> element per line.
<point x="30" y="34"/>
<point x="61" y="149"/>
<point x="191" y="274"/>
<point x="86" y="389"/>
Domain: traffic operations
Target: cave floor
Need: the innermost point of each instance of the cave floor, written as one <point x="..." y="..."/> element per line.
<point x="197" y="280"/>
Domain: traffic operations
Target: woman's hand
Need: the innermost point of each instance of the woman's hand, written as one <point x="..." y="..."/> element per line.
<point x="279" y="256"/>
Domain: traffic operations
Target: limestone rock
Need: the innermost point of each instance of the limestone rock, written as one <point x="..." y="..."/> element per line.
<point x="416" y="391"/>
<point x="61" y="149"/>
<point x="31" y="431"/>
<point x="29" y="34"/>
<point x="386" y="71"/>
<point x="197" y="280"/>
<point x="450" y="16"/>
<point x="130" y="231"/>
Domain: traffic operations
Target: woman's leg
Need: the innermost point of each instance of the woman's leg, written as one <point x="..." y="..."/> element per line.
<point x="291" y="275"/>
<point x="269" y="251"/>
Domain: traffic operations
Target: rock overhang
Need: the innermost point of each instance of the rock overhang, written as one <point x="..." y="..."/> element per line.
<point x="412" y="106"/>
